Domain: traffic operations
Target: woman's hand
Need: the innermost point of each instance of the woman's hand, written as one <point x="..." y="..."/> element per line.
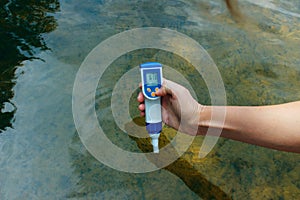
<point x="179" y="109"/>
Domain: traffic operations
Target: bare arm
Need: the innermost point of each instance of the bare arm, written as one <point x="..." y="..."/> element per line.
<point x="275" y="126"/>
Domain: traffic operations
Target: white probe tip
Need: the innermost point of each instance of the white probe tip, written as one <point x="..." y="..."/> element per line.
<point x="154" y="142"/>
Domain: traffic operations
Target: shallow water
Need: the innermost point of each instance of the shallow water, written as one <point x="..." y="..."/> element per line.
<point x="42" y="156"/>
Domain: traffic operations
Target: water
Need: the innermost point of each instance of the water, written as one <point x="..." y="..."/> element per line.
<point x="42" y="156"/>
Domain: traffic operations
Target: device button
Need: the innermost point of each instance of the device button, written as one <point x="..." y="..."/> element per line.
<point x="148" y="89"/>
<point x="153" y="94"/>
<point x="156" y="89"/>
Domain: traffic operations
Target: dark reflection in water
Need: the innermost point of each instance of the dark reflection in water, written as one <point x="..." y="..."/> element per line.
<point x="22" y="24"/>
<point x="181" y="167"/>
<point x="97" y="181"/>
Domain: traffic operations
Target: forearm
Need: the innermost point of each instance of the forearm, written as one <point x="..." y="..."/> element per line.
<point x="276" y="126"/>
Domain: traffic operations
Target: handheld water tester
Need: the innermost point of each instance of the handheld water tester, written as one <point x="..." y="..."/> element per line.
<point x="151" y="74"/>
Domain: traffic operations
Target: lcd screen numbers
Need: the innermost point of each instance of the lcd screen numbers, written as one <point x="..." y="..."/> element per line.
<point x="152" y="79"/>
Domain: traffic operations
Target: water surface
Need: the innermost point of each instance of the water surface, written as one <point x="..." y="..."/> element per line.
<point x="42" y="47"/>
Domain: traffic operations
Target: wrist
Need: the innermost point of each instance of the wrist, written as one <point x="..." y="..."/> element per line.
<point x="193" y="124"/>
<point x="204" y="116"/>
<point x="211" y="117"/>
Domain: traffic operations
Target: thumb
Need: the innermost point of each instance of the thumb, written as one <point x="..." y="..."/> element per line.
<point x="164" y="90"/>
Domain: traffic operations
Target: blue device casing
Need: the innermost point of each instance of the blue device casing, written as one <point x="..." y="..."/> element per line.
<point x="152" y="102"/>
<point x="151" y="68"/>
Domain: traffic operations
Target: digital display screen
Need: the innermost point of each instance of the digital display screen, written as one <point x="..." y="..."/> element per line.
<point x="152" y="79"/>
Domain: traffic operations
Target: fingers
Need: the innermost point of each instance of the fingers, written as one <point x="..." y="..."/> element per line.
<point x="164" y="90"/>
<point x="141" y="107"/>
<point x="142" y="114"/>
<point x="140" y="97"/>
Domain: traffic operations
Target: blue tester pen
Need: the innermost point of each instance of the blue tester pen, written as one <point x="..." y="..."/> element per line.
<point x="151" y="74"/>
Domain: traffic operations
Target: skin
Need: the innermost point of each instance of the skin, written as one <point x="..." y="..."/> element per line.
<point x="272" y="126"/>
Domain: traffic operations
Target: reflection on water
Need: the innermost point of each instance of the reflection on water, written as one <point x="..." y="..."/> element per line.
<point x="44" y="157"/>
<point x="21" y="26"/>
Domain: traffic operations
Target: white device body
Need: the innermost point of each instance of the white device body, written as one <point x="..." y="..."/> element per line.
<point x="152" y="78"/>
